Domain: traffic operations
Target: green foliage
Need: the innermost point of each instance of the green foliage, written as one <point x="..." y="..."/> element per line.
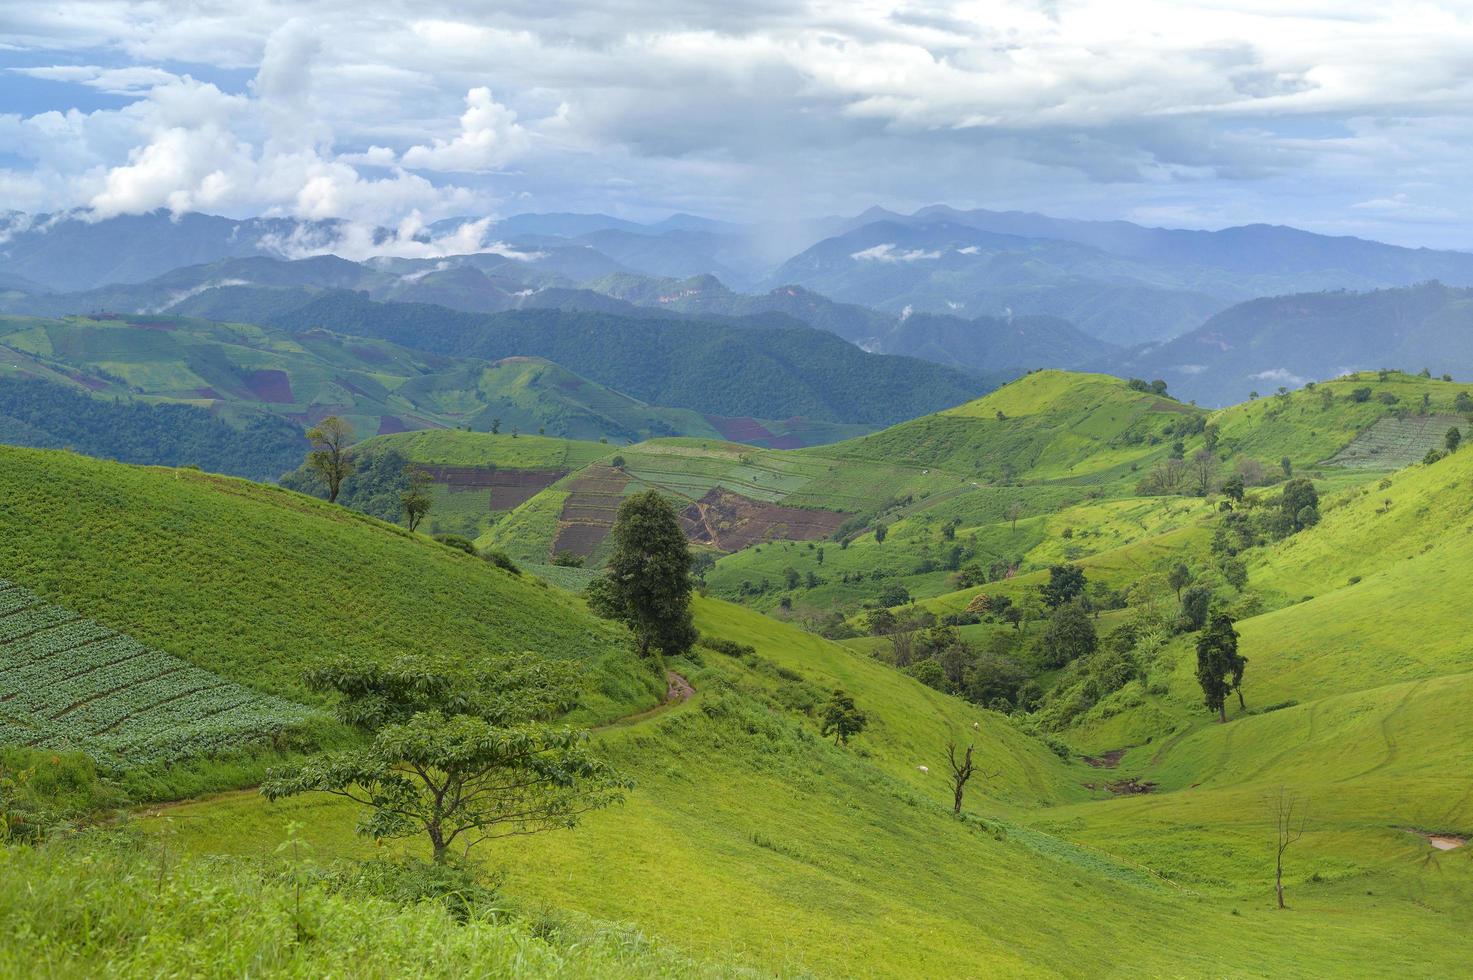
<point x="329" y="458"/>
<point x="461" y="756"/>
<point x="1219" y="665"/>
<point x="1065" y="584"/>
<point x="51" y="416"/>
<point x="841" y="718"/>
<point x="1069" y="635"/>
<point x="648" y="585"/>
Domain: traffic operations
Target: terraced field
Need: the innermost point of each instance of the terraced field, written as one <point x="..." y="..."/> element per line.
<point x="1392" y="443"/>
<point x="69" y="683"/>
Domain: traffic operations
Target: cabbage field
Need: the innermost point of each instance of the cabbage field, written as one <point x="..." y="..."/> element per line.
<point x="69" y="683"/>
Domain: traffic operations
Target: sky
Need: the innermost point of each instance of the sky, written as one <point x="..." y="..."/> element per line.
<point x="1340" y="116"/>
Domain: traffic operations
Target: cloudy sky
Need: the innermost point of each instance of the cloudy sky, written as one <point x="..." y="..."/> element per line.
<point x="1343" y="116"/>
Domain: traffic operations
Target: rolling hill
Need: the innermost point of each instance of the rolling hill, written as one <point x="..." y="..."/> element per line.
<point x="1153" y="855"/>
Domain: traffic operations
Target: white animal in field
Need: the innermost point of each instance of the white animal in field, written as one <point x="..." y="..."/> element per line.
<point x="924" y="768"/>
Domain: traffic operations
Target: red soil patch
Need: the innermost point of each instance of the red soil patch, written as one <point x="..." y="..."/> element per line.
<point x="207" y="393"/>
<point x="371" y="355"/>
<point x="505" y="488"/>
<point x="744" y="430"/>
<point x="390" y="424"/>
<point x="153" y="325"/>
<point x="1109" y="760"/>
<point x="731" y="522"/>
<point x="785" y="442"/>
<point x="588" y="513"/>
<point x="87" y="381"/>
<point x="270" y="386"/>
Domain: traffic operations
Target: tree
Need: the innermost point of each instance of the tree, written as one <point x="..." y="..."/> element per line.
<point x="1210" y="436"/>
<point x="495" y="426"/>
<point x="1015" y="511"/>
<point x="1070" y="634"/>
<point x="1158" y="387"/>
<point x="842" y="719"/>
<point x="1290" y="813"/>
<point x="1204" y="466"/>
<point x="1195" y="602"/>
<point x="1453" y="439"/>
<point x="1233" y="488"/>
<point x="416" y="498"/>
<point x="458" y="755"/>
<point x="1065" y="584"/>
<point x="962" y="770"/>
<point x="1179" y="578"/>
<point x="648" y="583"/>
<point x="880" y="532"/>
<point x="1300" y="504"/>
<point x="1287" y="465"/>
<point x="329" y="457"/>
<point x="1219" y="668"/>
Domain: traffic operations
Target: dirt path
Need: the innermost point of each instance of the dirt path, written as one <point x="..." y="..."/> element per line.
<point x="1441" y="842"/>
<point x="678" y="690"/>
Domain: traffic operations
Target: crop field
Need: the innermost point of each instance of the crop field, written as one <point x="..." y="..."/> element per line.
<point x="1394" y="442"/>
<point x="68" y="682"/>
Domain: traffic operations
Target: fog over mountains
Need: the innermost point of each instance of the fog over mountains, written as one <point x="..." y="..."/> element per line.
<point x="995" y="292"/>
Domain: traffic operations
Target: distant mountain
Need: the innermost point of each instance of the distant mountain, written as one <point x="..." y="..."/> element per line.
<point x="1288" y="340"/>
<point x="941" y="267"/>
<point x="1009" y="345"/>
<point x="770" y="367"/>
<point x="1279" y="258"/>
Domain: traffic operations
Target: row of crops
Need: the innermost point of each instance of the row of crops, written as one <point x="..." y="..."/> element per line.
<point x="70" y="683"/>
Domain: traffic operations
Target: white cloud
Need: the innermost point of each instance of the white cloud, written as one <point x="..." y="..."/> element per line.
<point x="889" y="253"/>
<point x="490" y="137"/>
<point x="1281" y="376"/>
<point x="1349" y="117"/>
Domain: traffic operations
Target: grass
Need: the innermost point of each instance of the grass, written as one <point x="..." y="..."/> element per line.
<point x="254" y="583"/>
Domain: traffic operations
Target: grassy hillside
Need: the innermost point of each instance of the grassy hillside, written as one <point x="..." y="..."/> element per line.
<point x="255" y="583"/>
<point x="1358" y="688"/>
<point x="244" y="374"/>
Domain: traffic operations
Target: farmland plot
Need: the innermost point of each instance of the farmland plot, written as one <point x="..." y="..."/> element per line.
<point x="68" y="682"/>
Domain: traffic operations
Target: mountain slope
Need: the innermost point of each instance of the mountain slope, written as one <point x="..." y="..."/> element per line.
<point x="1288" y="340"/>
<point x="717" y="368"/>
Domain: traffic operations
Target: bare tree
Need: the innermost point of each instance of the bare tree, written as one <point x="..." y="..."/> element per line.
<point x="1204" y="467"/>
<point x="903" y="643"/>
<point x="329" y="457"/>
<point x="1290" y="811"/>
<point x="961" y="771"/>
<point x="1015" y="511"/>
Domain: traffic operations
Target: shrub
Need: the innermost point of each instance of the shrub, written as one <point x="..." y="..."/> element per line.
<point x="566" y="559"/>
<point x="501" y="560"/>
<point x="729" y="647"/>
<point x="457" y="542"/>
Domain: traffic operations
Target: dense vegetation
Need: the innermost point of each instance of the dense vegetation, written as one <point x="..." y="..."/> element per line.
<point x="717" y="368"/>
<point x="50" y="416"/>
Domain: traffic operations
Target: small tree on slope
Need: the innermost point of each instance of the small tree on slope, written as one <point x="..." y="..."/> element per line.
<point x="842" y="719"/>
<point x="459" y="756"/>
<point x="648" y="584"/>
<point x="1219" y="668"/>
<point x="329" y="457"/>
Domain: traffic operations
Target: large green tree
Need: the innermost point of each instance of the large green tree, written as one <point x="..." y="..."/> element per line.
<point x="458" y="755"/>
<point x="1065" y="583"/>
<point x="648" y="583"/>
<point x="1069" y="635"/>
<point x="1219" y="667"/>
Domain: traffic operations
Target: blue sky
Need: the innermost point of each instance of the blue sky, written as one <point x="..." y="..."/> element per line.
<point x="1345" y="118"/>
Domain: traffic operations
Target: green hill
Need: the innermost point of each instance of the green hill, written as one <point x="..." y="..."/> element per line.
<point x="1154" y="859"/>
<point x="254" y="583"/>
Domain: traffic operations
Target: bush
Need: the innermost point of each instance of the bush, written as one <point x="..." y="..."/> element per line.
<point x="566" y="559"/>
<point x="457" y="542"/>
<point x="729" y="647"/>
<point x="501" y="560"/>
<point x="464" y="893"/>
